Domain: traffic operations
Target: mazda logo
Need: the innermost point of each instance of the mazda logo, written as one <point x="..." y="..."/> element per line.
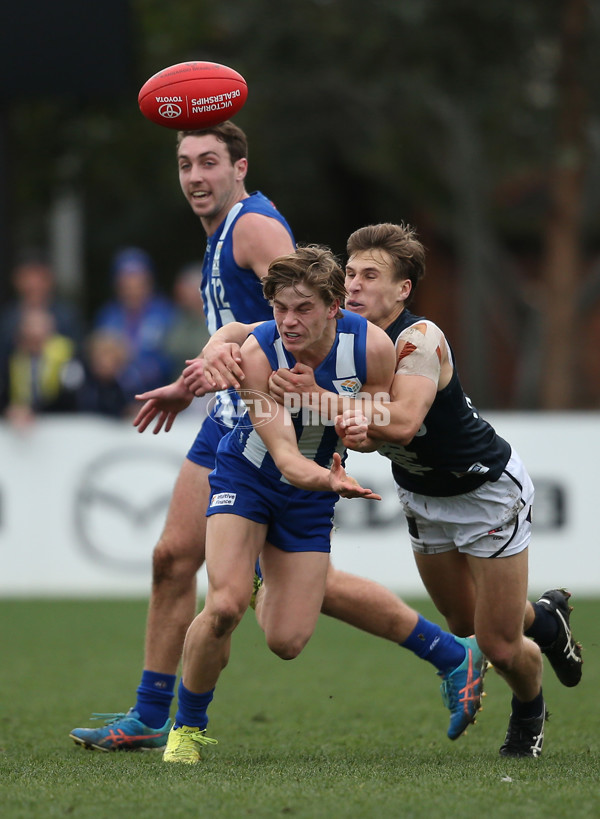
<point x="169" y="110"/>
<point x="121" y="505"/>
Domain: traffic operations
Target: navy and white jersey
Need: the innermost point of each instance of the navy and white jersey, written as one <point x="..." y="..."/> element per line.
<point x="231" y="292"/>
<point x="343" y="371"/>
<point x="455" y="450"/>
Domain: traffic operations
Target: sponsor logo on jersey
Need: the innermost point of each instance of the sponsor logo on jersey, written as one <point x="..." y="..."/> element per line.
<point x="478" y="468"/>
<point x="347" y="386"/>
<point x="223" y="499"/>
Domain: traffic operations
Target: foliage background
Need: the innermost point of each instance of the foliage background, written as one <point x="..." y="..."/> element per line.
<point x="478" y="123"/>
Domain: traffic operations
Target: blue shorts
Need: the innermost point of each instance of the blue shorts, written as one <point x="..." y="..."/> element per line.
<point x="204" y="449"/>
<point x="298" y="520"/>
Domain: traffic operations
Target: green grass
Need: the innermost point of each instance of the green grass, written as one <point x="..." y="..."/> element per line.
<point x="353" y="728"/>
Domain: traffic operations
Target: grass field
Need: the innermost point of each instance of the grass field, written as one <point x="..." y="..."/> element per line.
<point x="353" y="728"/>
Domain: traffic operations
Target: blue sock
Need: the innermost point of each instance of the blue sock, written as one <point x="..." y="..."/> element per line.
<point x="191" y="710"/>
<point x="154" y="696"/>
<point x="438" y="647"/>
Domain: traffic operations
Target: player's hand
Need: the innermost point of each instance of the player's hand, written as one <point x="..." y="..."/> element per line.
<point x="353" y="428"/>
<point x="297" y="381"/>
<point x="195" y="379"/>
<point x="345" y="485"/>
<point x="222" y="362"/>
<point x="162" y="404"/>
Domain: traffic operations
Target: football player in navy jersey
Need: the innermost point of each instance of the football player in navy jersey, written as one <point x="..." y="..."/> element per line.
<point x="244" y="233"/>
<point x="466" y="494"/>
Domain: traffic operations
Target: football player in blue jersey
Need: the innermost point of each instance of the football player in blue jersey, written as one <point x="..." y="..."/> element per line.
<point x="244" y="233"/>
<point x="272" y="485"/>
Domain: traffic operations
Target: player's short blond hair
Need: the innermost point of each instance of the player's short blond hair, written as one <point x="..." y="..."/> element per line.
<point x="311" y="265"/>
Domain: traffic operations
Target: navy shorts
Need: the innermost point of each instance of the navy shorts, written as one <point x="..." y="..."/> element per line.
<point x="298" y="520"/>
<point x="204" y="449"/>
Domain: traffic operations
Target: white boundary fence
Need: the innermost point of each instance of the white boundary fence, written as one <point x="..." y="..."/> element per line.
<point x="83" y="500"/>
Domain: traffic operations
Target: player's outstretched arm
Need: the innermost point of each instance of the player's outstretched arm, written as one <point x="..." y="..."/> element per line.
<point x="162" y="404"/>
<point x="345" y="485"/>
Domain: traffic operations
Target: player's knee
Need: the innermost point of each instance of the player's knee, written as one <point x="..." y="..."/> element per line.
<point x="225" y="614"/>
<point x="287" y="647"/>
<point x="170" y="563"/>
<point x="502" y="654"/>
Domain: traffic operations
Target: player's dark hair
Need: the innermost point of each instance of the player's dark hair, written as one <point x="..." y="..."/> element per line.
<point x="311" y="265"/>
<point x="227" y="132"/>
<point x="400" y="242"/>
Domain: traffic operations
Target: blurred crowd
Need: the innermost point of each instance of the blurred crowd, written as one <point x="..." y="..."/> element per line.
<point x="54" y="361"/>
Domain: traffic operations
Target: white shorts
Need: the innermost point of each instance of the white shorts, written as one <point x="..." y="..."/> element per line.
<point x="492" y="521"/>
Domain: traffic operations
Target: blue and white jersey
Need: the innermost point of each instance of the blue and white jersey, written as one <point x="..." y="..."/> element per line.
<point x="343" y="371"/>
<point x="231" y="292"/>
<point x="234" y="293"/>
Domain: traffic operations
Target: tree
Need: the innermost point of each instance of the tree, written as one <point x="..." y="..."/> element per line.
<point x="441" y="114"/>
<point x="562" y="251"/>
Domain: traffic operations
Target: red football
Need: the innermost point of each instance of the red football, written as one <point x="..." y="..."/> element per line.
<point x="193" y="95"/>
